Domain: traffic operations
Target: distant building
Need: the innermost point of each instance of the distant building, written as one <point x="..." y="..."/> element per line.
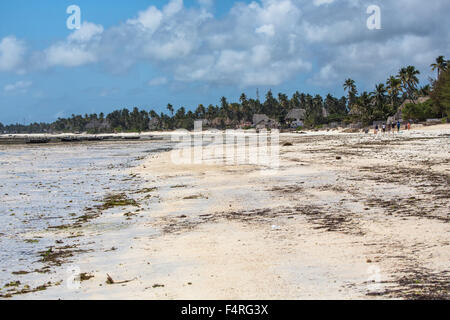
<point x="153" y="124"/>
<point x="261" y="121"/>
<point x="201" y="123"/>
<point x="258" y="118"/>
<point x="295" y="117"/>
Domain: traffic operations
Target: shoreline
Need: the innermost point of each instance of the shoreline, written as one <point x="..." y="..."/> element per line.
<point x="43" y="138"/>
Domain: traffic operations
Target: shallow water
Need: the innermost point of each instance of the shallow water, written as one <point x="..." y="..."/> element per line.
<point x="44" y="186"/>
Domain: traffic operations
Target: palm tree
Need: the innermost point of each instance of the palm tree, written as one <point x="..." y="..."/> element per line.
<point x="441" y="65"/>
<point x="380" y="92"/>
<point x="412" y="73"/>
<point x="170" y="108"/>
<point x="394" y="87"/>
<point x="425" y="90"/>
<point x="379" y="96"/>
<point x="364" y="107"/>
<point x="408" y="77"/>
<point x="349" y="85"/>
<point x="403" y="77"/>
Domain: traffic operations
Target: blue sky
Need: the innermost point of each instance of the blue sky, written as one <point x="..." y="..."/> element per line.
<point x="150" y="53"/>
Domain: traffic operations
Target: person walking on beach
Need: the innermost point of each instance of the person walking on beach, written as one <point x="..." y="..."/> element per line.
<point x="409" y="125"/>
<point x="384" y="128"/>
<point x="398" y="125"/>
<point x="376" y="129"/>
<point x="393" y="127"/>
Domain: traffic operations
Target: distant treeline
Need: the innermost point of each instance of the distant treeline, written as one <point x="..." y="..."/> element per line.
<point x="364" y="108"/>
<point x="226" y="115"/>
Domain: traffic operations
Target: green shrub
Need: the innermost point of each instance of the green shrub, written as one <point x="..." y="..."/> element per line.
<point x="420" y="111"/>
<point x="441" y="95"/>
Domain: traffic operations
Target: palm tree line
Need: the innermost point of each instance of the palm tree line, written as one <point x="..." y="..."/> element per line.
<point x="365" y="108"/>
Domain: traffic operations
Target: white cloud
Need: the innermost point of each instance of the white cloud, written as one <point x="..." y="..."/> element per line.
<point x="266" y="42"/>
<point x="19" y="86"/>
<point x="173" y="7"/>
<point x="149" y="19"/>
<point x="79" y="48"/>
<point x="12" y="53"/>
<point x="66" y="55"/>
<point x="86" y="32"/>
<point x="267" y="29"/>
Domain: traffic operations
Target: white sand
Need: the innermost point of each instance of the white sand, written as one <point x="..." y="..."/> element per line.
<point x="326" y="232"/>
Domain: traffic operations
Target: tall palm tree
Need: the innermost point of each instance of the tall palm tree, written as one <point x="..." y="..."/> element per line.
<point x="380" y="92"/>
<point x="413" y="80"/>
<point x="394" y="87"/>
<point x="441" y="65"/>
<point x="403" y="77"/>
<point x="379" y="96"/>
<point x="364" y="107"/>
<point x="170" y="108"/>
<point x="349" y="85"/>
<point x="409" y="79"/>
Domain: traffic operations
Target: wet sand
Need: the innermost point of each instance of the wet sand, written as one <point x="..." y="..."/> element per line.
<point x="345" y="216"/>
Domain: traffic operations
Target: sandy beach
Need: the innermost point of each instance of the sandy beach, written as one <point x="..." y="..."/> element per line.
<point x="344" y="216"/>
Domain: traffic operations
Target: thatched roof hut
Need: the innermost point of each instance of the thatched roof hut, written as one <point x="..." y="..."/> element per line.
<point x="296" y="114"/>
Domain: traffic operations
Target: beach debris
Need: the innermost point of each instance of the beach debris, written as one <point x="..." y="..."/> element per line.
<point x="110" y="280"/>
<point x="117" y="200"/>
<point x="179" y="186"/>
<point x="338" y="158"/>
<point x="85" y="276"/>
<point x="288" y="144"/>
<point x="16" y="290"/>
<point x="158" y="286"/>
<point x="12" y="284"/>
<point x="130" y="214"/>
<point x="58" y="256"/>
<point x="19" y="273"/>
<point x="147" y="190"/>
<point x="195" y="196"/>
<point x="31" y="241"/>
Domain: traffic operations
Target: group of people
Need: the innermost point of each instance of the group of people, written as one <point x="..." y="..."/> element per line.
<point x="387" y="127"/>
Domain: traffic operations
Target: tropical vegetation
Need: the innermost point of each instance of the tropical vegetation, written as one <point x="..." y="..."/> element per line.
<point x="384" y="101"/>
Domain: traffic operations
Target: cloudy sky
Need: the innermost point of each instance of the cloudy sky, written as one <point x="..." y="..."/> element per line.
<point x="147" y="53"/>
